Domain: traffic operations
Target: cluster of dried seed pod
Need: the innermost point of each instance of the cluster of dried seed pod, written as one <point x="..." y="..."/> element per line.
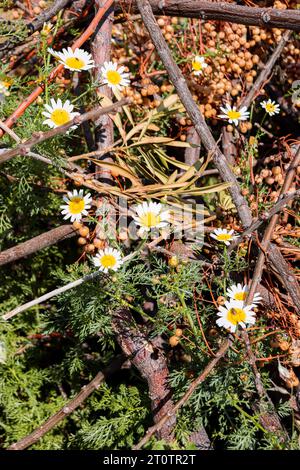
<point x="86" y="239"/>
<point x="174" y="339"/>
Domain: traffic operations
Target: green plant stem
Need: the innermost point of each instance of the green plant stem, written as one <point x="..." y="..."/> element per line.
<point x="187" y="313"/>
<point x="259" y="426"/>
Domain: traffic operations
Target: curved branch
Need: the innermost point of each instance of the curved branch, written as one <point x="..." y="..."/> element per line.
<point x="36" y="244"/>
<point x="69" y="407"/>
<point x="38" y="137"/>
<point x="223" y="11"/>
<point x="210" y="366"/>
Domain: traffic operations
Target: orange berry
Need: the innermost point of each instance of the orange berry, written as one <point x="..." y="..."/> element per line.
<point x="77" y="225"/>
<point x="178" y="332"/>
<point x="98" y="243"/>
<point x="90" y="248"/>
<point x="84" y="231"/>
<point x="284" y="345"/>
<point x="173" y="341"/>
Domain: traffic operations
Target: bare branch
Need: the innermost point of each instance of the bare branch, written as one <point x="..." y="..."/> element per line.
<point x="286" y="273"/>
<point x="295" y="291"/>
<point x="279" y="206"/>
<point x="67" y="409"/>
<point x="151" y="363"/>
<point x="38" y="137"/>
<point x="51" y="294"/>
<point x="193" y="111"/>
<point x="219" y="354"/>
<point x="266" y="71"/>
<point x="268" y="415"/>
<point x="36" y="24"/>
<point x="224" y="11"/>
<point x="36" y="244"/>
<point x="101" y="52"/>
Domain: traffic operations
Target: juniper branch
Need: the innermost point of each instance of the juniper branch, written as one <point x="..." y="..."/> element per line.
<point x="67" y="409"/>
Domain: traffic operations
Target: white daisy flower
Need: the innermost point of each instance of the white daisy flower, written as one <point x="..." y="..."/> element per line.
<point x="150" y="215"/>
<point x="240" y="292"/>
<point x="77" y="60"/>
<point x="271" y="107"/>
<point x="4" y="86"/>
<point x="198" y="65"/>
<point x="47" y="27"/>
<point x="223" y="235"/>
<point x="54" y="53"/>
<point x="108" y="259"/>
<point x="3" y="353"/>
<point x="235" y="313"/>
<point x="114" y="76"/>
<point x="76" y="205"/>
<point x="233" y="115"/>
<point x="58" y="113"/>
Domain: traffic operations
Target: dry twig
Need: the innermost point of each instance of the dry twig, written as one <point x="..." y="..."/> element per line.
<point x="219" y="354"/>
<point x="35" y="244"/>
<point x="266" y="71"/>
<point x="67" y="409"/>
<point x="224" y="11"/>
<point x="38" y="137"/>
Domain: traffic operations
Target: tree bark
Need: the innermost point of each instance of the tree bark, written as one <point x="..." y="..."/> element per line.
<point x="36" y="244"/>
<point x="223" y="11"/>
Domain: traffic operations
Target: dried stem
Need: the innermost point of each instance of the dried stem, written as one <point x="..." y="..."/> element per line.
<point x="295" y="291"/>
<point x="36" y="244"/>
<point x="224" y="11"/>
<point x="279" y="206"/>
<point x="67" y="409"/>
<point x="193" y="111"/>
<point x="268" y="415"/>
<point x="219" y="354"/>
<point x="35" y="25"/>
<point x="38" y="137"/>
<point x="266" y="71"/>
<point x="152" y="365"/>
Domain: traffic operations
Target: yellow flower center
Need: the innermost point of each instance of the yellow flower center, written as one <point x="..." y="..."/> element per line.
<point x="149" y="219"/>
<point x="236" y="315"/>
<point x="240" y="296"/>
<point x="197" y="65"/>
<point x="233" y="114"/>
<point x="4" y="84"/>
<point x="76" y="205"/>
<point x="60" y="117"/>
<point x="270" y="108"/>
<point x="108" y="261"/>
<point x="224" y="236"/>
<point x="75" y="63"/>
<point x="113" y="77"/>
